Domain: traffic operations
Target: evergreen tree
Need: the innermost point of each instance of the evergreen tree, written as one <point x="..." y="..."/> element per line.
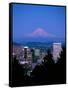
<point x="48" y="58"/>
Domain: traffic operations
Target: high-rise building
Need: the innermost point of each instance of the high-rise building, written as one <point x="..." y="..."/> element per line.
<point x="25" y="52"/>
<point x="28" y="56"/>
<point x="37" y="52"/>
<point x="33" y="55"/>
<point x="57" y="48"/>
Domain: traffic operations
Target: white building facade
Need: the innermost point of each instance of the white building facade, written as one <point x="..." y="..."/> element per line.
<point x="57" y="48"/>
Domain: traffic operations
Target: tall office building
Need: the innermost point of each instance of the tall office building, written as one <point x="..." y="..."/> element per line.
<point x="33" y="55"/>
<point x="37" y="52"/>
<point x="56" y="51"/>
<point x="28" y="56"/>
<point x="25" y="52"/>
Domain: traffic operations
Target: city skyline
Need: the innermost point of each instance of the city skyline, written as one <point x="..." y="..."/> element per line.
<point x="38" y="45"/>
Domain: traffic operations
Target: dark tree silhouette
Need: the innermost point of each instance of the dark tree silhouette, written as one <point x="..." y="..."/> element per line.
<point x="17" y="73"/>
<point x="44" y="73"/>
<point x="48" y="58"/>
<point x="56" y="73"/>
<point x="62" y="59"/>
<point x="61" y="64"/>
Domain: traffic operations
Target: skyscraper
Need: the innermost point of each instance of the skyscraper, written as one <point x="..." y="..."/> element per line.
<point x="56" y="51"/>
<point x="33" y="55"/>
<point x="25" y="52"/>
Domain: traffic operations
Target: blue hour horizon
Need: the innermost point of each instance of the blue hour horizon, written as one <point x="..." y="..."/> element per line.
<point x="31" y="22"/>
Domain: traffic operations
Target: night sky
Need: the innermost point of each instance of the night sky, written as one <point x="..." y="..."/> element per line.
<point x="31" y="22"/>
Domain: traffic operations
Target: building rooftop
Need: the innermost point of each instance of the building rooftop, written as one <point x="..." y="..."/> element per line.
<point x="57" y="43"/>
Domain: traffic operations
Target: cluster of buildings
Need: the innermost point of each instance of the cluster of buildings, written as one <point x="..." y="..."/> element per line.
<point x="33" y="56"/>
<point x="28" y="55"/>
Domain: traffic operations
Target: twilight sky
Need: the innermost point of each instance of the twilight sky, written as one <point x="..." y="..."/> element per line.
<point x="31" y="22"/>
